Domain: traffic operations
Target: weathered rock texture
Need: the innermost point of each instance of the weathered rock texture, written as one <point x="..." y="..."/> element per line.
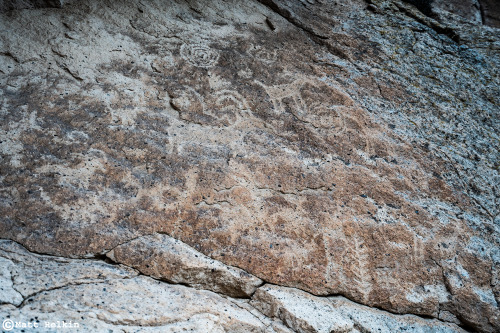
<point x="165" y="258"/>
<point x="490" y="10"/>
<point x="341" y="148"/>
<point x="306" y="313"/>
<point x="468" y="9"/>
<point x="8" y="5"/>
<point x="100" y="297"/>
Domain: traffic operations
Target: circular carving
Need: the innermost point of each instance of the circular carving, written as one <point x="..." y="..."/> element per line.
<point x="199" y="55"/>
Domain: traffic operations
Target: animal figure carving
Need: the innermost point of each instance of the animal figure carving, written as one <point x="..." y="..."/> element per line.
<point x="310" y="101"/>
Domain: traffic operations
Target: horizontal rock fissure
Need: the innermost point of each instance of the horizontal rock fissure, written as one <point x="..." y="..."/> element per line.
<point x="464" y="326"/>
<point x="30" y="297"/>
<point x="108" y="260"/>
<point x="167" y="281"/>
<point x="321" y="296"/>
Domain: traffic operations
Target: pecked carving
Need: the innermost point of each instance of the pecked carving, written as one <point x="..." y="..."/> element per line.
<point x="276" y="153"/>
<point x="312" y="102"/>
<point x="221" y="107"/>
<point x="199" y="55"/>
<point x="263" y="54"/>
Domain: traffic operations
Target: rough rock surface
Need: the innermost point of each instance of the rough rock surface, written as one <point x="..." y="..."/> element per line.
<point x="99" y="297"/>
<point x="26" y="274"/>
<point x="468" y="9"/>
<point x="491" y="12"/>
<point x="342" y="148"/>
<point x="8" y="5"/>
<point x="306" y="313"/>
<point x="165" y="258"/>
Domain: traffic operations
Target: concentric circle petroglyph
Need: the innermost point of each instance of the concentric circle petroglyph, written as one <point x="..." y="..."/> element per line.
<point x="199" y="55"/>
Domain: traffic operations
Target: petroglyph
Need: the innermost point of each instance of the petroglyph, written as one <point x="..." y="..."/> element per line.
<point x="220" y="108"/>
<point x="305" y="99"/>
<point x="361" y="273"/>
<point x="263" y="55"/>
<point x="199" y="55"/>
<point x="228" y="104"/>
<point x="355" y="167"/>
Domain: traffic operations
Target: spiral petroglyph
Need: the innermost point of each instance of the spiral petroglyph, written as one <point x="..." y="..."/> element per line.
<point x="228" y="166"/>
<point x="199" y="55"/>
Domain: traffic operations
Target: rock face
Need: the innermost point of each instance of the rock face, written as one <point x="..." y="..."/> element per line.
<point x="340" y="148"/>
<point x="491" y="12"/>
<point x="468" y="9"/>
<point x="26" y="274"/>
<point x="7" y="5"/>
<point x="306" y="313"/>
<point x="165" y="258"/>
<point x="474" y="11"/>
<point x="102" y="297"/>
<point x="95" y="296"/>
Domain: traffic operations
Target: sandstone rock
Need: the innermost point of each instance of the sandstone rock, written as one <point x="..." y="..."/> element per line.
<point x="165" y="258"/>
<point x="314" y="144"/>
<point x="303" y="312"/>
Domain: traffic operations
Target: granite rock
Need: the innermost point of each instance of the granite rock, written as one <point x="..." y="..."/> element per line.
<point x="9" y="5"/>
